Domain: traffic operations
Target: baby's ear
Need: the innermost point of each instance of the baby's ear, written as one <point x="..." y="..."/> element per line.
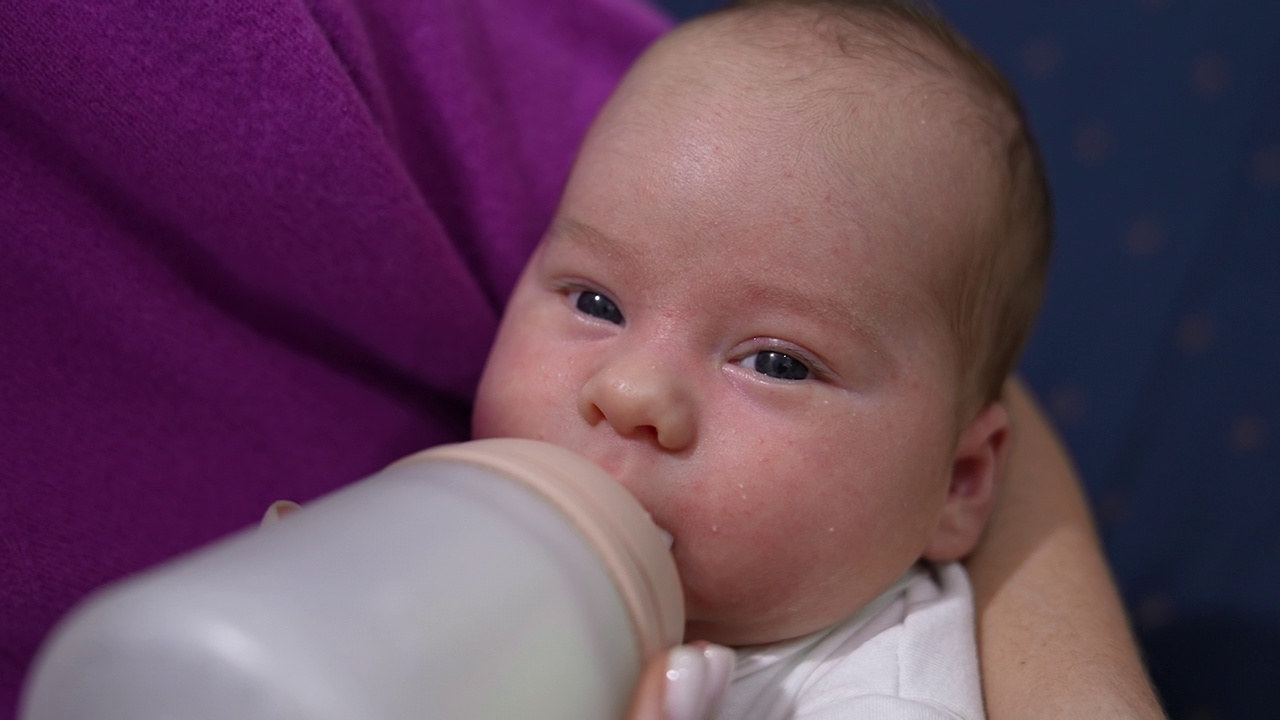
<point x="979" y="464"/>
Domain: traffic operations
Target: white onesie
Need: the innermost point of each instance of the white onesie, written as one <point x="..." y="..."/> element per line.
<point x="911" y="654"/>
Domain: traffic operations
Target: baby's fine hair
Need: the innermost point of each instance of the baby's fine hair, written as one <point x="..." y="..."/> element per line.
<point x="993" y="300"/>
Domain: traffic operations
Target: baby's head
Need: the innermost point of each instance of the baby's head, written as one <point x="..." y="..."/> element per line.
<point x="797" y="256"/>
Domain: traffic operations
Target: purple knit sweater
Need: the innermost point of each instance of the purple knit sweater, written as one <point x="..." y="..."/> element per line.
<point x="254" y="250"/>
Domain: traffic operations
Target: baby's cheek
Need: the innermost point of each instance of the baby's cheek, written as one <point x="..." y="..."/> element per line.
<point x="517" y="398"/>
<point x="739" y="551"/>
<point x="502" y="415"/>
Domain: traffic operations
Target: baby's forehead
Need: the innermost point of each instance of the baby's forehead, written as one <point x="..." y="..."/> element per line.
<point x="780" y="35"/>
<point x="827" y="64"/>
<point x="912" y="85"/>
<point x="837" y="72"/>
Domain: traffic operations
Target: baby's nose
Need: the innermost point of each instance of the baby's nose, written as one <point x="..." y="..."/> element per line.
<point x="639" y="397"/>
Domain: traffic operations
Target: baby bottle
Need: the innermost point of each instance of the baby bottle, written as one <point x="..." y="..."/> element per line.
<point x="489" y="579"/>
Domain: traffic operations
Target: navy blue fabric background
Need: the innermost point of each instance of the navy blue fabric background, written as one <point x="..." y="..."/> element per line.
<point x="1159" y="347"/>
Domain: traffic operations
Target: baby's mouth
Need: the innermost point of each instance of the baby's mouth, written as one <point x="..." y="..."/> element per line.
<point x="667" y="538"/>
<point x="615" y="471"/>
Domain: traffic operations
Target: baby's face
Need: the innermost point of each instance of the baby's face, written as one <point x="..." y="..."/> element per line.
<point x="744" y="336"/>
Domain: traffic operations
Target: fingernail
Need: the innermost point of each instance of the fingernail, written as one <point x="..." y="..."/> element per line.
<point x="696" y="679"/>
<point x="277" y="510"/>
<point x="720" y="662"/>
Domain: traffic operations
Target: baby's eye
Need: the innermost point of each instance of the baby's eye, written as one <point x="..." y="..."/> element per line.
<point x="599" y="306"/>
<point x="776" y="365"/>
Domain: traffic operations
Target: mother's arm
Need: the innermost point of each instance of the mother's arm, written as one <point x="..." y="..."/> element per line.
<point x="1053" y="637"/>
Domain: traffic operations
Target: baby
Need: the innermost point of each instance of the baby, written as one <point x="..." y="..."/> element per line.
<point x="797" y="257"/>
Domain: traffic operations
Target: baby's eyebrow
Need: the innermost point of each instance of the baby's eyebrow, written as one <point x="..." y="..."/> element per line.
<point x="829" y="309"/>
<point x="594" y="239"/>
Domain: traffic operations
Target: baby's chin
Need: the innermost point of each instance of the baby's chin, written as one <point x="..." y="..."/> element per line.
<point x="759" y="632"/>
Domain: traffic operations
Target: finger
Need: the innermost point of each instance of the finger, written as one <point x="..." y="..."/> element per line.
<point x="278" y="509"/>
<point x="687" y="684"/>
<point x="720" y="663"/>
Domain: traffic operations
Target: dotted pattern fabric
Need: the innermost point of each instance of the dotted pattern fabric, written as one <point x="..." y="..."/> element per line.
<point x="1159" y="347"/>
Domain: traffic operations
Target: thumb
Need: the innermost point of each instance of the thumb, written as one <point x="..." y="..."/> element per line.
<point x="686" y="683"/>
<point x="277" y="510"/>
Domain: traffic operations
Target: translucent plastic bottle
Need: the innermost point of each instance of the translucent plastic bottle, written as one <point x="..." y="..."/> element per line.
<point x="490" y="579"/>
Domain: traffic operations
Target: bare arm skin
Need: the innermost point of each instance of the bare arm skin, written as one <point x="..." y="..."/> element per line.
<point x="1053" y="637"/>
